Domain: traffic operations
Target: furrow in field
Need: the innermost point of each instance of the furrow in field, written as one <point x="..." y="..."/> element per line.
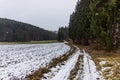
<point x="17" y="61"/>
<point x="85" y="69"/>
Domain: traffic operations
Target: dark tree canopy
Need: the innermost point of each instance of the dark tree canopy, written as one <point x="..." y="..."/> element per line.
<point x="62" y="34"/>
<point x="79" y="25"/>
<point x="11" y="30"/>
<point x="96" y="21"/>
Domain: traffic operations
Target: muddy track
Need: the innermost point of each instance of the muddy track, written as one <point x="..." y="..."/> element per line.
<point x="74" y="65"/>
<point x="76" y="72"/>
<point x="85" y="69"/>
<point x="37" y="75"/>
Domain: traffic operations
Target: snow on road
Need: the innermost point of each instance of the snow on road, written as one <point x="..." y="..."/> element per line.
<point x="21" y="60"/>
<point x="89" y="70"/>
<point x="64" y="73"/>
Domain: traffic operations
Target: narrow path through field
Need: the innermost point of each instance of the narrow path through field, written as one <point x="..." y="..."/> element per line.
<point x="62" y="70"/>
<point x="89" y="69"/>
<point x="79" y="66"/>
<point x="76" y="65"/>
<point x="85" y="69"/>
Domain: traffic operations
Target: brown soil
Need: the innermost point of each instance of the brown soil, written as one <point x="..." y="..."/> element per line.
<point x="78" y="67"/>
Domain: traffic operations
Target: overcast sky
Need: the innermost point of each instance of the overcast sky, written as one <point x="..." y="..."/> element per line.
<point x="48" y="14"/>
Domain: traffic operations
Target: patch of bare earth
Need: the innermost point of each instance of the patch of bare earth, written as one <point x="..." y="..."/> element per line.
<point x="37" y="75"/>
<point x="108" y="63"/>
<point x="77" y="71"/>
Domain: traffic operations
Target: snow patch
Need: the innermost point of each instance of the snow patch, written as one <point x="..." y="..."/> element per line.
<point x="64" y="73"/>
<point x="89" y="70"/>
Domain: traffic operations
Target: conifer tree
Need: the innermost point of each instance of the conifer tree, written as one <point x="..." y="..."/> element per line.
<point x="97" y="20"/>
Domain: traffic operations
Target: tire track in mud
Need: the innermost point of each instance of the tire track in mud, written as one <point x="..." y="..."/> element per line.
<point x="90" y="70"/>
<point x="85" y="69"/>
<point x="76" y="72"/>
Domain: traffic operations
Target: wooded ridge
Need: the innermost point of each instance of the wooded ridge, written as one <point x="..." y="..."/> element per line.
<point x="14" y="31"/>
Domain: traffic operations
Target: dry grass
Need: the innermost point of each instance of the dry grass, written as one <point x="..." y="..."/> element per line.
<point x="31" y="42"/>
<point x="112" y="61"/>
<point x="38" y="74"/>
<point x="111" y="67"/>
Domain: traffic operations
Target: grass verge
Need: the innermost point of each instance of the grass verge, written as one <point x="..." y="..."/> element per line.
<point x="31" y="42"/>
<point x="107" y="62"/>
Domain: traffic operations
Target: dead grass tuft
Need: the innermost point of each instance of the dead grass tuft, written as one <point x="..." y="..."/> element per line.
<point x="38" y="74"/>
<point x="112" y="60"/>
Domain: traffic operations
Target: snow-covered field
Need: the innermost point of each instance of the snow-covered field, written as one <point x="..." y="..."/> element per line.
<point x="21" y="60"/>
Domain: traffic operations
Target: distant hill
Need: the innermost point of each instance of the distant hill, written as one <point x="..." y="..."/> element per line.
<point x="14" y="31"/>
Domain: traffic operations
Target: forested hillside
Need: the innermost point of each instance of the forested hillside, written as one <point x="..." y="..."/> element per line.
<point x="96" y="21"/>
<point x="11" y="30"/>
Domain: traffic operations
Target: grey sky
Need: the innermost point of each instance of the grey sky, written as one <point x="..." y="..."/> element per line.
<point x="48" y="14"/>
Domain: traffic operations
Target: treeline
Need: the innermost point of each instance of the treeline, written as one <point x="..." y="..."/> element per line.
<point x="13" y="31"/>
<point x="62" y="34"/>
<point x="96" y="21"/>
